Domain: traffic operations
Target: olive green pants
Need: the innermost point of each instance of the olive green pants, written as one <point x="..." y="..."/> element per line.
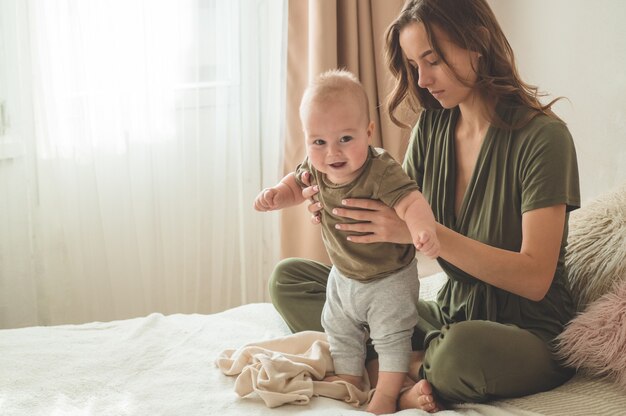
<point x="470" y="361"/>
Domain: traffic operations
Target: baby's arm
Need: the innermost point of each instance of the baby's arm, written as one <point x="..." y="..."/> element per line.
<point x="287" y="193"/>
<point x="415" y="211"/>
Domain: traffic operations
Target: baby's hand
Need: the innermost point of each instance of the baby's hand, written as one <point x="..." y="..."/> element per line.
<point x="428" y="243"/>
<point x="267" y="200"/>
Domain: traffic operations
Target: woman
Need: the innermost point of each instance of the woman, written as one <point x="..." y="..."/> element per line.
<point x="499" y="170"/>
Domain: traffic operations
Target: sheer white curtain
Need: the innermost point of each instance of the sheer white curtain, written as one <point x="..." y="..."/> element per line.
<point x="155" y="125"/>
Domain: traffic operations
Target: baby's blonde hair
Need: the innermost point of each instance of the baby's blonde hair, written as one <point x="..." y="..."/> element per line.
<point x="331" y="84"/>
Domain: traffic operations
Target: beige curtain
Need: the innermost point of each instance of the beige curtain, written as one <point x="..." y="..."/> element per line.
<point x="326" y="34"/>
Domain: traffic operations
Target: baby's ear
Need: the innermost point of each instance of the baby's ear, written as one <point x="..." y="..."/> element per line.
<point x="370" y="129"/>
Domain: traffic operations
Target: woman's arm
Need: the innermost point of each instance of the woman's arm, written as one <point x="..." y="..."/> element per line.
<point x="527" y="273"/>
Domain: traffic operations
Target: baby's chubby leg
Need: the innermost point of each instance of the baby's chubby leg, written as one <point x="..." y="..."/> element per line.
<point x="392" y="316"/>
<point x="346" y="335"/>
<point x="385" y="397"/>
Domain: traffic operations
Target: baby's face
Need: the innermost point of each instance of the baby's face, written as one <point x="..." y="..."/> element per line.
<point x="337" y="134"/>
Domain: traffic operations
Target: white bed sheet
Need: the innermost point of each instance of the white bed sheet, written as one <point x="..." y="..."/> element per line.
<point x="164" y="365"/>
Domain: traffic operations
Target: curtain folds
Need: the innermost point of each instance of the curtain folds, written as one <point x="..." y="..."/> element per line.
<point x="322" y="35"/>
<point x="155" y="125"/>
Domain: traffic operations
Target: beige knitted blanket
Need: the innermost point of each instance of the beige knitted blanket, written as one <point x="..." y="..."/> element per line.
<point x="289" y="369"/>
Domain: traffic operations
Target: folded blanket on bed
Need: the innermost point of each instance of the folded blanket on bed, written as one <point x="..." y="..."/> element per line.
<point x="288" y="370"/>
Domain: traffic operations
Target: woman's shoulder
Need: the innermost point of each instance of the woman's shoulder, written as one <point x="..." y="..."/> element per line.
<point x="543" y="137"/>
<point x="525" y="119"/>
<point x="545" y="128"/>
<point x="529" y="126"/>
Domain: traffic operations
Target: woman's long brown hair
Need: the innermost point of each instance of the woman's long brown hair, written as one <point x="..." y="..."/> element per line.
<point x="471" y="25"/>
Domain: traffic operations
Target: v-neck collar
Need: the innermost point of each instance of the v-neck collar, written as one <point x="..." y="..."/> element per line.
<point x="459" y="222"/>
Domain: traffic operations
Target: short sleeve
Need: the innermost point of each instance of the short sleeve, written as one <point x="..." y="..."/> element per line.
<point x="300" y="169"/>
<point x="395" y="184"/>
<point x="549" y="170"/>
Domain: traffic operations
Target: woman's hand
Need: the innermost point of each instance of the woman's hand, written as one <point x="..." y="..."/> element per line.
<point x="375" y="218"/>
<point x="309" y="194"/>
<point x="380" y="221"/>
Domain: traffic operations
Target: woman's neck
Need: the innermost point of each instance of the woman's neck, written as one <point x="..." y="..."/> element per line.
<point x="474" y="118"/>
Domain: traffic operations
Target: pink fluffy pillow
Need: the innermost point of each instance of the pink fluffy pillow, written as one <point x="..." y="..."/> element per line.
<point x="594" y="342"/>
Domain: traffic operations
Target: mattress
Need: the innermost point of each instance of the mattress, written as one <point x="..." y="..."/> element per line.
<point x="165" y="365"/>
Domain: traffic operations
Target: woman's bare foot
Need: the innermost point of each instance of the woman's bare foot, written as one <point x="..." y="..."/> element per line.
<point x="420" y="396"/>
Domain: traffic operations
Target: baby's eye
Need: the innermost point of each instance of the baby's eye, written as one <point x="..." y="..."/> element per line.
<point x="345" y="139"/>
<point x="319" y="142"/>
<point x="433" y="63"/>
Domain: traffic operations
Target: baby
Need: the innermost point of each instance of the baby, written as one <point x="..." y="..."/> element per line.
<point x="372" y="289"/>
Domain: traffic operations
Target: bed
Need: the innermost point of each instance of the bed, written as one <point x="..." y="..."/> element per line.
<point x="165" y="365"/>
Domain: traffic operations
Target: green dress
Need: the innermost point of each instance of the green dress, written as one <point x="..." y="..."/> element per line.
<point x="516" y="171"/>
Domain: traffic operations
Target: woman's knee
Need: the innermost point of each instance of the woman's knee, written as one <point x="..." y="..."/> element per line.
<point x="296" y="278"/>
<point x="455" y="362"/>
<point x="454" y="350"/>
<point x="280" y="277"/>
<point x="298" y="289"/>
<point x="475" y="361"/>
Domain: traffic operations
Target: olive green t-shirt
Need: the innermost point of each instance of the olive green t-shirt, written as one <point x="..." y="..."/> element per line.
<point x="516" y="171"/>
<point x="382" y="178"/>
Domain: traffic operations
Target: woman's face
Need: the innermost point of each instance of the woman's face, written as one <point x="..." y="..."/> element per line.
<point x="434" y="74"/>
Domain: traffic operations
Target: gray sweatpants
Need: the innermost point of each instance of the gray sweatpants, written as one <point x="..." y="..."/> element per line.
<point x="387" y="307"/>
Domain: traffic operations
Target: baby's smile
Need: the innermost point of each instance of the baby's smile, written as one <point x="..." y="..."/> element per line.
<point x="337" y="165"/>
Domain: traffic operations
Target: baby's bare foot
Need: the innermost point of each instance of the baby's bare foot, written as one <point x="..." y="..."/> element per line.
<point x="382" y="404"/>
<point x="420" y="396"/>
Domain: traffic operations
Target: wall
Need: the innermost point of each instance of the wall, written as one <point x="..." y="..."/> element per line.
<point x="577" y="49"/>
